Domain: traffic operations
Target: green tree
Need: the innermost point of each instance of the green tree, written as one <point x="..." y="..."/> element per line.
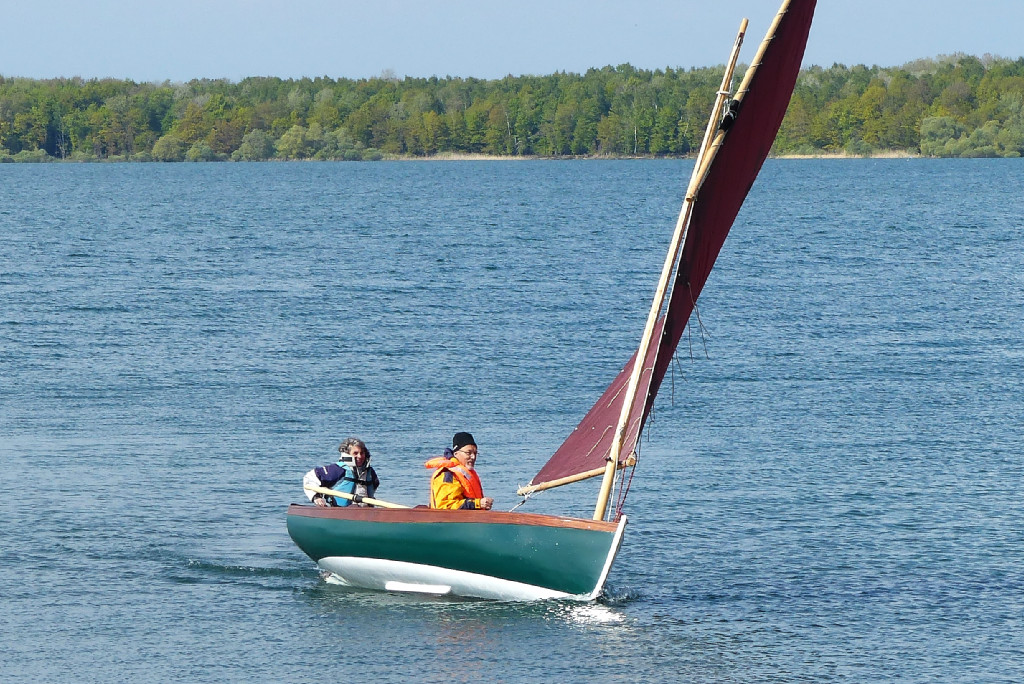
<point x="940" y="136"/>
<point x="294" y="144"/>
<point x="169" y="148"/>
<point x="193" y="125"/>
<point x="665" y="132"/>
<point x="256" y="145"/>
<point x="200" y="152"/>
<point x="613" y="135"/>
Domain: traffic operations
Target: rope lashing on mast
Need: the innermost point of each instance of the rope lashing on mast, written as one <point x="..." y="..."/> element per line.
<point x="729" y="117"/>
<point x="618" y="495"/>
<point x="624" y="484"/>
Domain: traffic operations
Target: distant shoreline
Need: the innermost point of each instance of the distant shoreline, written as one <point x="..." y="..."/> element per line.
<point x="462" y="156"/>
<point x="883" y="154"/>
<point x="470" y="157"/>
<point x="953" y="106"/>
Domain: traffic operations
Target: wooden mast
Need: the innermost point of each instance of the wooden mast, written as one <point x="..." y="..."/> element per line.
<point x="678" y="236"/>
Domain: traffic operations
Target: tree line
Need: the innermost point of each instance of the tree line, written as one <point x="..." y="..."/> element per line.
<point x="950" y="106"/>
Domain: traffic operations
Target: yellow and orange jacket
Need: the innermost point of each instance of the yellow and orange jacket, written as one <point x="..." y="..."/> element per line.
<point x="453" y="485"/>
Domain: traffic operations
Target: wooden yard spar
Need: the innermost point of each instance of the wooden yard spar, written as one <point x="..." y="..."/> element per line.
<point x="671" y="259"/>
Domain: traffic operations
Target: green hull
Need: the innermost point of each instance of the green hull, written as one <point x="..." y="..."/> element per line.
<point x="476" y="553"/>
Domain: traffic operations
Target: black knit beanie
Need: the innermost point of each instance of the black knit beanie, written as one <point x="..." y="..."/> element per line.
<point x="462" y="439"/>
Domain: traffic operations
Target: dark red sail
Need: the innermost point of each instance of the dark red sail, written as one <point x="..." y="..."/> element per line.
<point x="735" y="160"/>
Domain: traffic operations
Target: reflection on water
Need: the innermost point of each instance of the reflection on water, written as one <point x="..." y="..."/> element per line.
<point x="593" y="614"/>
<point x="458" y="617"/>
<point x="471" y="636"/>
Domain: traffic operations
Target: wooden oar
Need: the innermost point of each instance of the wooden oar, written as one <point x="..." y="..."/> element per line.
<point x="355" y="498"/>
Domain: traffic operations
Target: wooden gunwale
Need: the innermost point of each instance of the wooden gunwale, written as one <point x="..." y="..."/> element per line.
<point x="432" y="515"/>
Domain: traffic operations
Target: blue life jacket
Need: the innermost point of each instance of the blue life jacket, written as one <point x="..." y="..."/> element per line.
<point x="346" y="484"/>
<point x="349" y="480"/>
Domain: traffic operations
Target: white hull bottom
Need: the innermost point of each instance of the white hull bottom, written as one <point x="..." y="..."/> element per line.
<point x="389" y="575"/>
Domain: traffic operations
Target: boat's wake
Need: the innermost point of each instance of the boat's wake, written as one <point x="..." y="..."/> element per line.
<point x="619" y="596"/>
<point x="204" y="571"/>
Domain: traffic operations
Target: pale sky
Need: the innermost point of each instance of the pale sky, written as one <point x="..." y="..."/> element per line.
<point x="178" y="40"/>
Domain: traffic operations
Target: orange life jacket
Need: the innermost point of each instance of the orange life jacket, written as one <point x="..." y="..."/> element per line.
<point x="469" y="480"/>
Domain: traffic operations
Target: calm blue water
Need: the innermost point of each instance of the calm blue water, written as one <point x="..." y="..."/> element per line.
<point x="831" y="488"/>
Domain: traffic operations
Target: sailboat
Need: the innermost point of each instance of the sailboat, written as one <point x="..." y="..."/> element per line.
<point x="525" y="556"/>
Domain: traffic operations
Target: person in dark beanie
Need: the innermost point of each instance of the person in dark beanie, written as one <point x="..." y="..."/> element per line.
<point x="455" y="483"/>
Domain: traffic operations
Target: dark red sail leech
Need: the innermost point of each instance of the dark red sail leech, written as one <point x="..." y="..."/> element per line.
<point x="764" y="96"/>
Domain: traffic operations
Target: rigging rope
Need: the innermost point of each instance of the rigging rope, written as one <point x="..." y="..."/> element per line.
<point x="699" y="322"/>
<point x="525" y="499"/>
<point x="624" y="484"/>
